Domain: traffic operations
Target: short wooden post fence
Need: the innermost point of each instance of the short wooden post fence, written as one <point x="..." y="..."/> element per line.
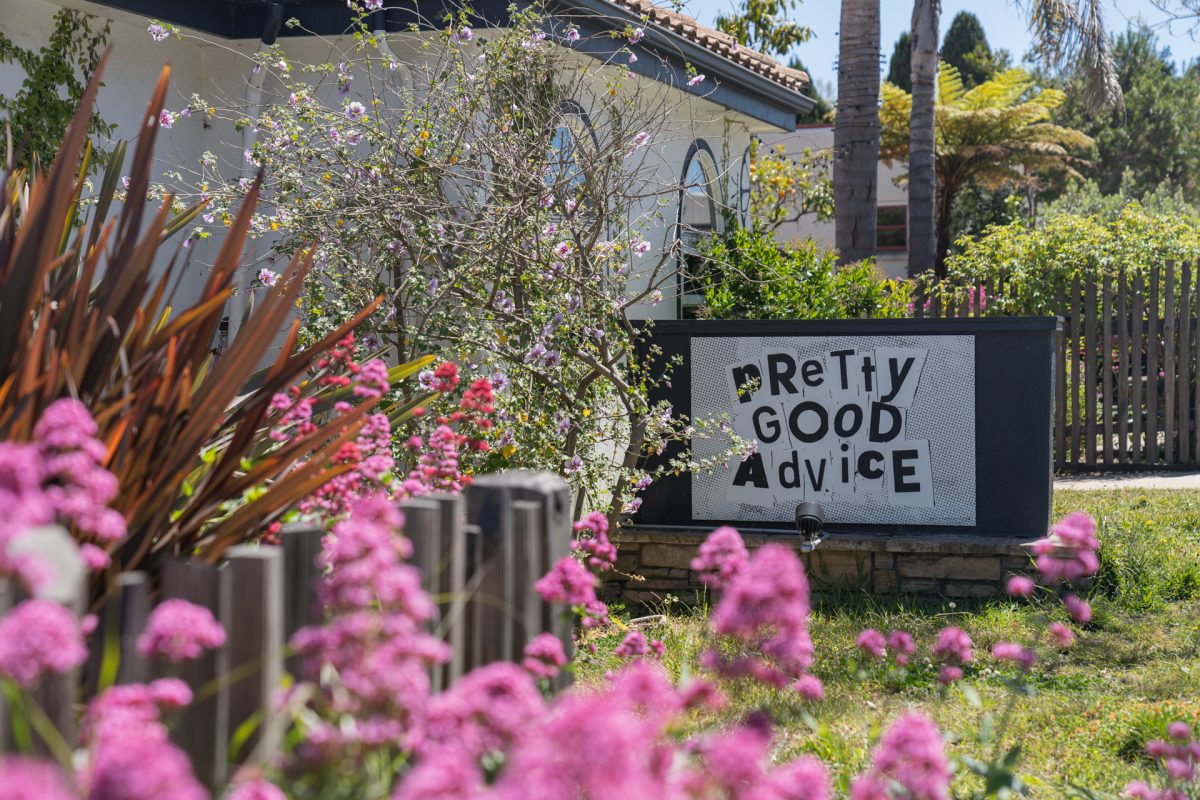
<point x="1127" y="375"/>
<point x="478" y="554"/>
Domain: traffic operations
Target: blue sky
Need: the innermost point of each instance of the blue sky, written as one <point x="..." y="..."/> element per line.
<point x="1002" y="21"/>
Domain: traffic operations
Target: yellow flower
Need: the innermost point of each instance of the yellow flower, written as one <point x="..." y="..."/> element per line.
<point x="508" y="450"/>
<point x="587" y="412"/>
<point x="423" y="135"/>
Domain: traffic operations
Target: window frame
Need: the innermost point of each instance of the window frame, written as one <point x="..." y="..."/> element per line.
<point x="891" y="248"/>
<point x="686" y="235"/>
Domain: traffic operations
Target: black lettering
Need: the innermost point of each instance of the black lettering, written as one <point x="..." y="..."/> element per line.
<point x="878" y="434"/>
<point x="751" y="471"/>
<point x="773" y="426"/>
<point x="781" y="368"/>
<point x="901" y="470"/>
<point x="839" y="426"/>
<point x="845" y="469"/>
<point x="821" y="429"/>
<point x="742" y="376"/>
<point x="795" y="481"/>
<point x="868" y="369"/>
<point x="812" y="372"/>
<point x="864" y="464"/>
<point x="815" y="481"/>
<point x="897" y="377"/>
<point x="841" y="356"/>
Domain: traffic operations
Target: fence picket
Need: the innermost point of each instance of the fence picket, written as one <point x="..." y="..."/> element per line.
<point x="1122" y="368"/>
<point x="1073" y="352"/>
<point x="1183" y="403"/>
<point x="1060" y="380"/>
<point x="1152" y="340"/>
<point x="1138" y="449"/>
<point x="1169" y="325"/>
<point x="1106" y="366"/>
<point x="1090" y="320"/>
<point x="1194" y="382"/>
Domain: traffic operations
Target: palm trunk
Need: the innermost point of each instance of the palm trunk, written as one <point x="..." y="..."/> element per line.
<point x="945" y="202"/>
<point x="922" y="175"/>
<point x="856" y="131"/>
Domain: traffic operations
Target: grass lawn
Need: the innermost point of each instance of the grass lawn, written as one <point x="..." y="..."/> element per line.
<point x="1134" y="668"/>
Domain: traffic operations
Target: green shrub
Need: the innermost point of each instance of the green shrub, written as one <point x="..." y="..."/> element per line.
<point x="1031" y="262"/>
<point x="747" y="275"/>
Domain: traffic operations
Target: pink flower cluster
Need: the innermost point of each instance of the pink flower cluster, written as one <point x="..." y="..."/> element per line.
<point x="635" y="644"/>
<point x="438" y="467"/>
<point x="721" y="557"/>
<point x="374" y="637"/>
<point x="911" y="755"/>
<point x="593" y="541"/>
<point x="58" y="477"/>
<point x="39" y="637"/>
<point x="544" y="656"/>
<point x="954" y="649"/>
<point x="1179" y="756"/>
<point x="180" y="631"/>
<point x="1069" y="552"/>
<point x="570" y="583"/>
<point x="764" y="609"/>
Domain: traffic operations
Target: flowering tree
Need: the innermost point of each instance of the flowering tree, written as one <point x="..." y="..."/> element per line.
<point x="496" y="190"/>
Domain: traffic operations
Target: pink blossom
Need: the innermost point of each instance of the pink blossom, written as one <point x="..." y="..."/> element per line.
<point x="635" y="644"/>
<point x="901" y="643"/>
<point x="1062" y="635"/>
<point x="568" y="582"/>
<point x="698" y="79"/>
<point x="810" y="687"/>
<point x="180" y="631"/>
<point x="94" y="557"/>
<point x="1180" y="731"/>
<point x="143" y="768"/>
<point x="765" y="608"/>
<point x="268" y="277"/>
<point x="593" y="541"/>
<point x="544" y="656"/>
<point x="1079" y="609"/>
<point x="1009" y="651"/>
<point x="257" y="789"/>
<point x="911" y="753"/>
<point x="166" y="119"/>
<point x="1069" y="552"/>
<point x="721" y="557"/>
<point x="948" y="675"/>
<point x="485" y="711"/>
<point x="1020" y="586"/>
<point x="36" y="637"/>
<point x="805" y="778"/>
<point x="25" y="778"/>
<point x="870" y="642"/>
<point x="371" y="380"/>
<point x="445" y="774"/>
<point x="953" y="644"/>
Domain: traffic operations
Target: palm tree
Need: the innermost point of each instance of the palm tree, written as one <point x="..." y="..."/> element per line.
<point x="997" y="134"/>
<point x="922" y="173"/>
<point x="1070" y="33"/>
<point x="856" y="131"/>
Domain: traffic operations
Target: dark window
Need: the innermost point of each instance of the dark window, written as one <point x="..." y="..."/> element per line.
<point x="891" y="228"/>
<point x="697" y="221"/>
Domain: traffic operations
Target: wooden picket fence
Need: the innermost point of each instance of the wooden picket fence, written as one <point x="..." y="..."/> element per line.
<point x="479" y="555"/>
<point x="1127" y="373"/>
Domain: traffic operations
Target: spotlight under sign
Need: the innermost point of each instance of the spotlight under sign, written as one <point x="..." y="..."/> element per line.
<point x="888" y="425"/>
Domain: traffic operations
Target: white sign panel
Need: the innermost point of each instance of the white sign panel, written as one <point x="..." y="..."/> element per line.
<point x="878" y="429"/>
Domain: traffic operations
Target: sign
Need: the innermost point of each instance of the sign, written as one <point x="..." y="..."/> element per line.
<point x="891" y="425"/>
<point x="869" y="427"/>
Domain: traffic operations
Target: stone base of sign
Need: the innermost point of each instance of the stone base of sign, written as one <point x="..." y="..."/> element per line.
<point x="653" y="564"/>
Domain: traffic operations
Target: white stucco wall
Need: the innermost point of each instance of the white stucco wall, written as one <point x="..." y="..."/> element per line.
<point x="213" y="69"/>
<point x="819" y="138"/>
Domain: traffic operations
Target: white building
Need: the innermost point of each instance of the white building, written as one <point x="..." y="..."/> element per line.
<point x="745" y="94"/>
<point x="892" y="232"/>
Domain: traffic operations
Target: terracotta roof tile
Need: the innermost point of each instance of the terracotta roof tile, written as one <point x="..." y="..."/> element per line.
<point x="719" y="42"/>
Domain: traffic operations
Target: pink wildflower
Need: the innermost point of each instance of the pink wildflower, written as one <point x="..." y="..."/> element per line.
<point x="142" y="768"/>
<point x="1009" y="651"/>
<point x="445" y="774"/>
<point x="24" y="778"/>
<point x="1020" y="586"/>
<point x="544" y="656"/>
<point x="36" y="637"/>
<point x="765" y="608"/>
<point x="1062" y="635"/>
<point x="94" y="557"/>
<point x="810" y="687"/>
<point x="257" y="789"/>
<point x="635" y="644"/>
<point x="1180" y="731"/>
<point x="953" y="644"/>
<point x="805" y="778"/>
<point x="180" y="631"/>
<point x="871" y="643"/>
<point x="901" y="643"/>
<point x="372" y="379"/>
<point x="948" y="675"/>
<point x="1069" y="552"/>
<point x="696" y="80"/>
<point x="568" y="582"/>
<point x="485" y="711"/>
<point x="593" y="541"/>
<point x="721" y="557"/>
<point x="1079" y="609"/>
<point x="911" y="753"/>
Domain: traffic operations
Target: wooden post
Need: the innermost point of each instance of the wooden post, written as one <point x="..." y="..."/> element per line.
<point x="1183" y="371"/>
<point x="1106" y="365"/>
<point x="1123" y="369"/>
<point x="430" y="555"/>
<point x="1060" y="381"/>
<point x="1138" y="396"/>
<point x="203" y="725"/>
<point x="1073" y="351"/>
<point x="301" y="546"/>
<point x="1169" y="324"/>
<point x="1089" y="372"/>
<point x="453" y="583"/>
<point x="122" y="621"/>
<point x="1152" y="340"/>
<point x="255" y="626"/>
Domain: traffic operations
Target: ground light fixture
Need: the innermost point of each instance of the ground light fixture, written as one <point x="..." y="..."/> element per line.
<point x="810" y="518"/>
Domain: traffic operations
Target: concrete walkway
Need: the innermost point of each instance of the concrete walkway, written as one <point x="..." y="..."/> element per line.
<point x="1129" y="480"/>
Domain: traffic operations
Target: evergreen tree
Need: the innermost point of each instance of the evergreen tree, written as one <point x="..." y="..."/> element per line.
<point x="900" y="67"/>
<point x="966" y="49"/>
<point x="821" y="111"/>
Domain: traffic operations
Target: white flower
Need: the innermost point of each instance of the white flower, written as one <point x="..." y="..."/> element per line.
<point x="641" y="247"/>
<point x="697" y="80"/>
<point x="165" y="119"/>
<point x="355" y="110"/>
<point x="157" y="32"/>
<point x="268" y="278"/>
<point x="637" y="35"/>
<point x="572" y="35"/>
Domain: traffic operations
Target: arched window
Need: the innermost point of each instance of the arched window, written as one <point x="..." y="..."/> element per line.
<point x="572" y="140"/>
<point x="698" y="219"/>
